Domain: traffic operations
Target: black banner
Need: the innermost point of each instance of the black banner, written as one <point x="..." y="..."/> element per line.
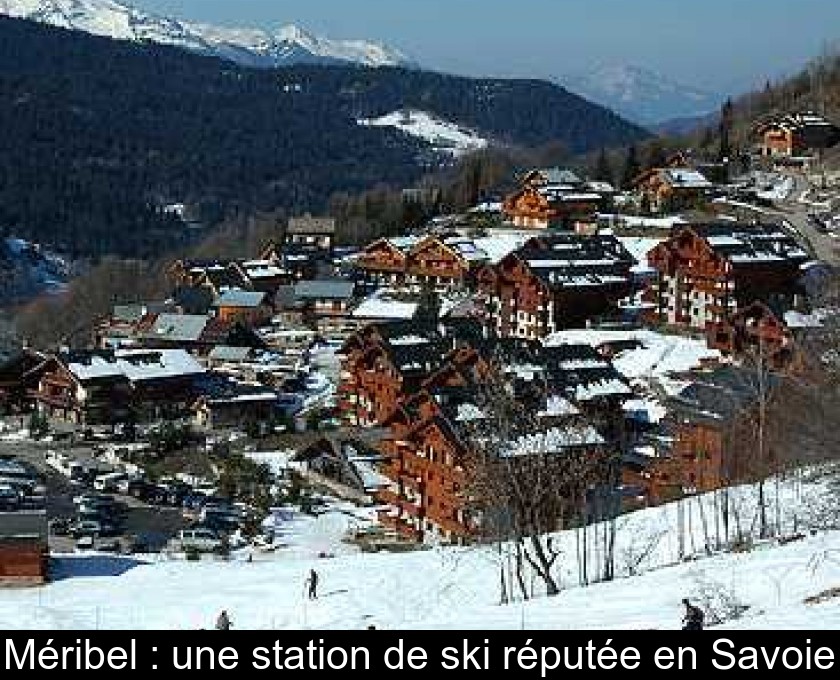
<point x="537" y="654"/>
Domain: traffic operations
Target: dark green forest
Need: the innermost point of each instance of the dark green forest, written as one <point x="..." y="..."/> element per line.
<point x="98" y="135"/>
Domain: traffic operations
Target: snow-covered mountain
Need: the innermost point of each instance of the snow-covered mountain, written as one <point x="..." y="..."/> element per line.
<point x="641" y="95"/>
<point x="443" y="136"/>
<point x="251" y="47"/>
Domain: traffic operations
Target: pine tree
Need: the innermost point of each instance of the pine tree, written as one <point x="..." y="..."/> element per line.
<point x="726" y="114"/>
<point x="656" y="156"/>
<point x="631" y="167"/>
<point x="603" y="171"/>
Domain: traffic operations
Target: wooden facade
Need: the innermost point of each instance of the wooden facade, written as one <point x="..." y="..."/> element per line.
<point x="533" y="207"/>
<point x="667" y="190"/>
<point x="429" y="261"/>
<point x="311" y="233"/>
<point x="707" y="275"/>
<point x="24" y="552"/>
<point x="424" y="395"/>
<point x="754" y="330"/>
<point x="793" y="135"/>
<point x="556" y="282"/>
<point x="67" y="392"/>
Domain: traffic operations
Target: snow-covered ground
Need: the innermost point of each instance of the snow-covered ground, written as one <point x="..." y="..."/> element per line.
<point x="662" y="555"/>
<point x="442" y="135"/>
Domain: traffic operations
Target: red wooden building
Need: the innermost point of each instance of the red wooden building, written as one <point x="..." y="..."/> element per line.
<point x="24" y="554"/>
<point x="556" y="282"/>
<point x="552" y="198"/>
<point x="707" y="274"/>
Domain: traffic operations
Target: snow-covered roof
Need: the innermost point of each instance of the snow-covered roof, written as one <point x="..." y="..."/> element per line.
<point x="179" y="327"/>
<point x="240" y="298"/>
<point x="404" y="340"/>
<point x="601" y="388"/>
<point x="137" y="365"/>
<point x="645" y="410"/>
<point x="554" y="440"/>
<point x="558" y="406"/>
<point x="469" y="412"/>
<point x="795" y="319"/>
<point x="500" y="244"/>
<point x="644" y="354"/>
<point x="381" y="305"/>
<point x="687" y="178"/>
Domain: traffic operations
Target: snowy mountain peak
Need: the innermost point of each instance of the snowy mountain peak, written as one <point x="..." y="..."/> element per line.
<point x="640" y="94"/>
<point x="288" y="45"/>
<point x="294" y="33"/>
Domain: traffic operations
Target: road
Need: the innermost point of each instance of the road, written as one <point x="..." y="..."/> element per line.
<point x="823" y="246"/>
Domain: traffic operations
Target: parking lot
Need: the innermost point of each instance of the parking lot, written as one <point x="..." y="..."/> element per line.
<point x="133" y="521"/>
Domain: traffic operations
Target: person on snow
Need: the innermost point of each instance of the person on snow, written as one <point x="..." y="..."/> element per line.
<point x="693" y="619"/>
<point x="312" y="582"/>
<point x="223" y="622"/>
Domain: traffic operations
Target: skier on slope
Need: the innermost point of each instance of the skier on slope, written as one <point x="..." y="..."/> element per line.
<point x="312" y="582"/>
<point x="693" y="619"/>
<point x="223" y="622"/>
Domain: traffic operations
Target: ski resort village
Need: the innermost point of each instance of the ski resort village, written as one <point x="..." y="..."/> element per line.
<point x="579" y="388"/>
<point x="549" y="394"/>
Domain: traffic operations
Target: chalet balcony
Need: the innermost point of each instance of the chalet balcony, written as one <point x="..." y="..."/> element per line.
<point x="404" y="530"/>
<point x="389" y="497"/>
<point x="411" y="482"/>
<point x="55" y="400"/>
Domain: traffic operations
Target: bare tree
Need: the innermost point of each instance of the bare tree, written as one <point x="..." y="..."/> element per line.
<point x="523" y="488"/>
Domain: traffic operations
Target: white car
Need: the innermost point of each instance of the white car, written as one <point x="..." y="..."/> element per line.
<point x="200" y="540"/>
<point x="86" y="527"/>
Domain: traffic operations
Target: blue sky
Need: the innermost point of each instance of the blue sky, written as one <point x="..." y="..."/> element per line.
<point x="722" y="45"/>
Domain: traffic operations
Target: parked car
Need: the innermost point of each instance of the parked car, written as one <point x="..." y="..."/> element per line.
<point x="201" y="539"/>
<point x="109" y="482"/>
<point x="110" y="546"/>
<point x="9" y="497"/>
<point x="85" y="543"/>
<point x="93" y="499"/>
<point x="59" y="526"/>
<point x="85" y="528"/>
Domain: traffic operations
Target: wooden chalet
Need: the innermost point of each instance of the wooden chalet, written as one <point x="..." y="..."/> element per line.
<point x="215" y="275"/>
<point x="707" y="274"/>
<point x="552" y="198"/>
<point x="385" y="261"/>
<point x="18" y="379"/>
<point x="795" y="134"/>
<point x="383" y="362"/>
<point x="222" y="402"/>
<point x="197" y="333"/>
<point x="672" y="189"/>
<point x="556" y="282"/>
<point x="108" y="387"/>
<point x="442" y="262"/>
<point x="266" y="276"/>
<point x="24" y="553"/>
<point x="428" y="449"/>
<point x="325" y="298"/>
<point x="703" y="423"/>
<point x="313" y="233"/>
<point x="248" y="307"/>
<point x="757" y="331"/>
<point x="424" y="389"/>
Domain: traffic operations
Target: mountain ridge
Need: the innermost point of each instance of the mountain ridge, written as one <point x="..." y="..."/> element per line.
<point x="287" y="45"/>
<point x="641" y="95"/>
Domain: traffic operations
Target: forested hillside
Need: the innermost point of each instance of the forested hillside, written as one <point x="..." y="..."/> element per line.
<point x="99" y="136"/>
